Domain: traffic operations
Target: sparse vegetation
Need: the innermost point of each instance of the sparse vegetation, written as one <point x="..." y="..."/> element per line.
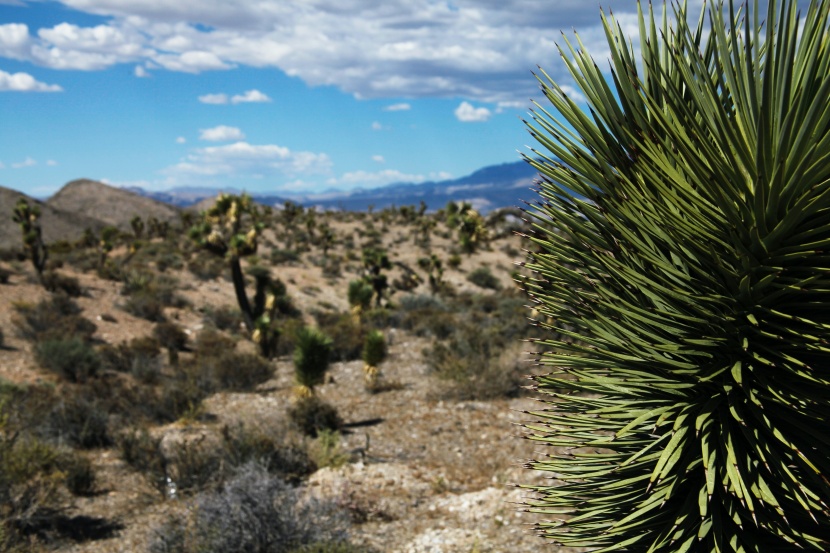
<point x="170" y="402"/>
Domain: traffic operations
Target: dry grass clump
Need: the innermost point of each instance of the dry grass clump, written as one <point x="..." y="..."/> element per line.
<point x="55" y="318"/>
<point x="256" y="512"/>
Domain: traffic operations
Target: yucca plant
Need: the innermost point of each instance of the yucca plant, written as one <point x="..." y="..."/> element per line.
<point x="311" y="360"/>
<point x="374" y="352"/>
<point x="28" y="218"/>
<point x="681" y="265"/>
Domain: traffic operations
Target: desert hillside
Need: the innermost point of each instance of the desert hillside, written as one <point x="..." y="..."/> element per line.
<point x="113" y="206"/>
<point x="139" y="414"/>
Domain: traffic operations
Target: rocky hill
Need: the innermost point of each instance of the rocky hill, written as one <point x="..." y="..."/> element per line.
<point x="113" y="206"/>
<point x="58" y="224"/>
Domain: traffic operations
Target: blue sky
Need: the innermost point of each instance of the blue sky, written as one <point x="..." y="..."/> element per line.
<point x="277" y="96"/>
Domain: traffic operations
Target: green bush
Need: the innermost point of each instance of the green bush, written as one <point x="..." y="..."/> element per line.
<point x="77" y="421"/>
<point x="483" y="278"/>
<point x="71" y="358"/>
<point x="311" y="357"/>
<point x="374" y="349"/>
<point x="311" y="415"/>
<point x="57" y="282"/>
<point x="360" y="294"/>
<point x="55" y="318"/>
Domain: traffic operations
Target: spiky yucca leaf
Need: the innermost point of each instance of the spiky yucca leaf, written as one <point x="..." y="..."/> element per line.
<point x="682" y="254"/>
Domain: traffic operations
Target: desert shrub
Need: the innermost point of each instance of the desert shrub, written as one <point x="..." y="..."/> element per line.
<point x="142" y="452"/>
<point x="237" y="371"/>
<point x="275" y="519"/>
<point x="311" y="415"/>
<point x="72" y="358"/>
<point x="80" y="475"/>
<point x="141" y="357"/>
<point x="78" y="421"/>
<point x="281" y="257"/>
<point x="194" y="465"/>
<point x="169" y="261"/>
<point x="206" y="267"/>
<point x="173" y="337"/>
<point x="5" y="274"/>
<point x="454" y="261"/>
<point x="210" y="343"/>
<point x="346" y="333"/>
<point x="483" y="278"/>
<point x="55" y="318"/>
<point x="224" y="317"/>
<point x="149" y="295"/>
<point x="325" y="449"/>
<point x="57" y="282"/>
<point x="277" y="452"/>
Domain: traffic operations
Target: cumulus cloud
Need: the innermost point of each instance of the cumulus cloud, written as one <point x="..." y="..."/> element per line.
<point x="181" y="140"/>
<point x="140" y="72"/>
<point x="480" y="51"/>
<point x="23" y="82"/>
<point x="250" y="96"/>
<point x="398" y="107"/>
<point x="214" y="99"/>
<point x="249" y="160"/>
<point x="28" y="162"/>
<point x="51" y="162"/>
<point x="376" y="126"/>
<point x="378" y="159"/>
<point x="222" y="133"/>
<point x="466" y="113"/>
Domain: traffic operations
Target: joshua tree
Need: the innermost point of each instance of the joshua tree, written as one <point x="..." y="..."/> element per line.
<point x="374" y="352"/>
<point x="137" y="225"/>
<point x="375" y="260"/>
<point x="435" y="271"/>
<point x="311" y="360"/>
<point x="230" y="229"/>
<point x="28" y="217"/>
<point x="683" y="233"/>
<point x="360" y="295"/>
<point x="469" y="224"/>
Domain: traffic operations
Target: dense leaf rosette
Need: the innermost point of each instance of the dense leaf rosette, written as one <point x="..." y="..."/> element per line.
<point x="681" y="259"/>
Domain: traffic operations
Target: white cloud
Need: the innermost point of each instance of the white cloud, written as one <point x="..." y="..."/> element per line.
<point x="398" y="107"/>
<point x="466" y="113"/>
<point x="222" y="133"/>
<point x="181" y="140"/>
<point x="369" y="179"/>
<point x="249" y="160"/>
<point x="2" y="165"/>
<point x="51" y="162"/>
<point x="378" y="159"/>
<point x="140" y="72"/>
<point x="376" y="126"/>
<point x="214" y="99"/>
<point x="250" y="96"/>
<point x="23" y="82"/>
<point x="480" y="51"/>
<point x="28" y="162"/>
<point x="15" y="41"/>
<point x="194" y="61"/>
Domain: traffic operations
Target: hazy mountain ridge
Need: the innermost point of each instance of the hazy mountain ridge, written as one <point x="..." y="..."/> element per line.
<point x="492" y="187"/>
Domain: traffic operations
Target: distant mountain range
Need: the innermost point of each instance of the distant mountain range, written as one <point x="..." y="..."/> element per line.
<point x="493" y="187"/>
<point x="84" y="203"/>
